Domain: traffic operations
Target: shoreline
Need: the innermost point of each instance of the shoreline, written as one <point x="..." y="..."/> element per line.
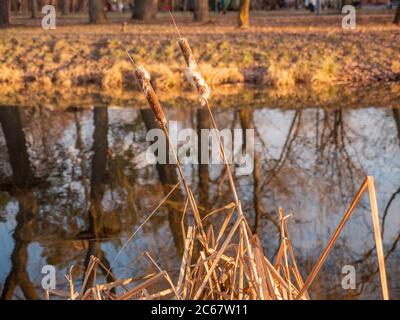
<point x="279" y="54"/>
<point x="225" y="96"/>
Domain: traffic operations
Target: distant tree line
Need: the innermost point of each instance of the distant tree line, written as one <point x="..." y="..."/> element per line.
<point x="142" y="9"/>
<point x="96" y="9"/>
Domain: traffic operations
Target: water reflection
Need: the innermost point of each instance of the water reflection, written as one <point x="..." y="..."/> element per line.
<point x="72" y="186"/>
<point x="20" y="187"/>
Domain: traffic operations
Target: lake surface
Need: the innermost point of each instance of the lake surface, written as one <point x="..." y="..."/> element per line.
<point x="73" y="185"/>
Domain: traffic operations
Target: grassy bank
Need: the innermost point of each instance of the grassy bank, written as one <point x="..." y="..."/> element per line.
<point x="280" y="52"/>
<point x="225" y="96"/>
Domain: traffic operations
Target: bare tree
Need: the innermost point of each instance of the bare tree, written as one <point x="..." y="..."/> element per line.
<point x="22" y="235"/>
<point x="244" y="14"/>
<point x="22" y="184"/>
<point x="97" y="230"/>
<point x="145" y="9"/>
<point x="246" y="120"/>
<point x="201" y="10"/>
<point x="4" y="13"/>
<point x="10" y="120"/>
<point x="96" y="11"/>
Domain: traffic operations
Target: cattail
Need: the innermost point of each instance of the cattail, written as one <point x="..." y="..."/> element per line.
<point x="192" y="71"/>
<point x="143" y="78"/>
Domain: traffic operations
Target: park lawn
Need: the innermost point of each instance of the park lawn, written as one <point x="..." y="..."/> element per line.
<point x="281" y="51"/>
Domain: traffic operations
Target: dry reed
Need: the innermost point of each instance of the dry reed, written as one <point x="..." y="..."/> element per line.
<point x="222" y="270"/>
<point x="232" y="265"/>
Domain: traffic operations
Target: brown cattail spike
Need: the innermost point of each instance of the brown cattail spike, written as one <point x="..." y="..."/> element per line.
<point x="143" y="78"/>
<point x="187" y="52"/>
<point x="192" y="71"/>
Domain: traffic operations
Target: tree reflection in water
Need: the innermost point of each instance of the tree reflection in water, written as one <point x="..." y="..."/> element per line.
<point x="20" y="188"/>
<point x="74" y="180"/>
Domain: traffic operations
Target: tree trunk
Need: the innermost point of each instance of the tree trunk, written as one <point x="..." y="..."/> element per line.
<point x="81" y="5"/>
<point x="11" y="123"/>
<point x="99" y="169"/>
<point x="244" y="14"/>
<point x="397" y="16"/>
<point x="246" y="120"/>
<point x="34" y="7"/>
<point x="235" y="4"/>
<point x="273" y="4"/>
<point x="23" y="234"/>
<point x="4" y="13"/>
<point x="24" y="6"/>
<point x="184" y="5"/>
<point x="201" y="10"/>
<point x="96" y="229"/>
<point x="22" y="181"/>
<point x="65" y="4"/>
<point x="145" y="9"/>
<point x="96" y="11"/>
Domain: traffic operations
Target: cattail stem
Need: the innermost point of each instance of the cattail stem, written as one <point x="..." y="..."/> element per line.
<point x="194" y="76"/>
<point x="237" y="201"/>
<point x="143" y="78"/>
<point x="189" y="193"/>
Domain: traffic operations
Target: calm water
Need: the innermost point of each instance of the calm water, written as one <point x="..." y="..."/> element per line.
<point x="73" y="185"/>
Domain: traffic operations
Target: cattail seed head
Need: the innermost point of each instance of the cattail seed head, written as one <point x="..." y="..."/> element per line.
<point x="192" y="71"/>
<point x="143" y="78"/>
<point x="187" y="52"/>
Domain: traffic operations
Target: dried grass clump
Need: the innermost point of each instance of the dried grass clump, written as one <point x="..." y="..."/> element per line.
<point x="282" y="76"/>
<point x="221" y="75"/>
<point x="113" y="77"/>
<point x="62" y="79"/>
<point x="165" y="76"/>
<point x="223" y="268"/>
<point x="45" y="82"/>
<point x="327" y="72"/>
<point x="10" y="75"/>
<point x="396" y="66"/>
